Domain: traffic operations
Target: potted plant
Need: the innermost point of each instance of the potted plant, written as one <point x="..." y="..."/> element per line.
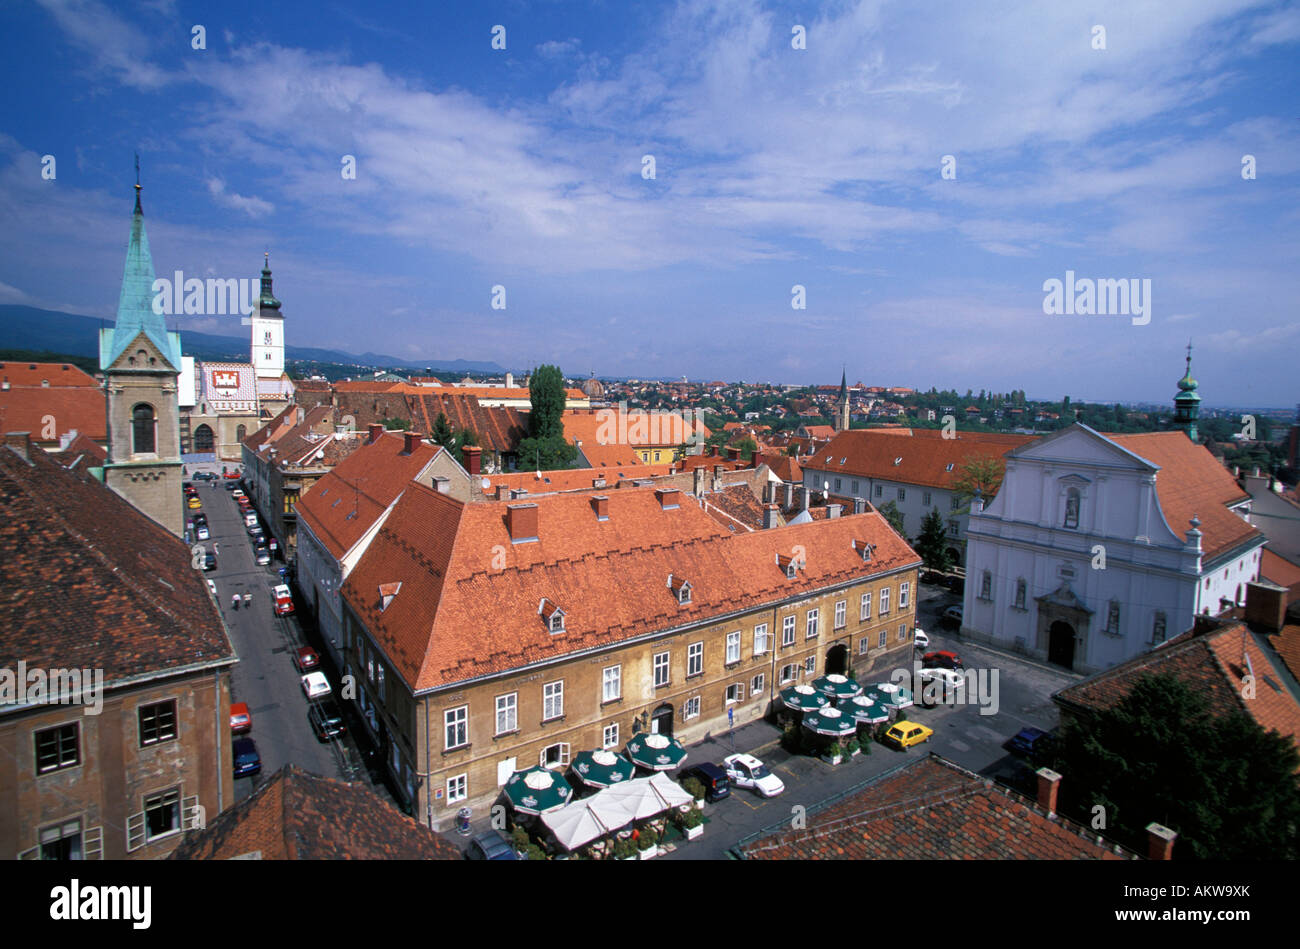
<point x="691" y="822"/>
<point x="648" y="843"/>
<point x="534" y="852"/>
<point x="694" y="787"/>
<point x="624" y="849"/>
<point x="852" y="747"/>
<point x="519" y="837"/>
<point x="833" y="752"/>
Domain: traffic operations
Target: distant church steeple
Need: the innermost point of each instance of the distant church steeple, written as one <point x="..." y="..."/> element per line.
<point x="842" y="404"/>
<point x="1187" y="404"/>
<point x="267" y="349"/>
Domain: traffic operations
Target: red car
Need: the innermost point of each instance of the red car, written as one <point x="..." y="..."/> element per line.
<point x="942" y="659"/>
<point x="283" y="600"/>
<point x="306" y="659"/>
<point x="241" y="719"/>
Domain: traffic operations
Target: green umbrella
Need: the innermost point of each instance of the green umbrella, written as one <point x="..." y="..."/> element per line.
<point x="655" y="752"/>
<point x="537" y="791"/>
<point x="829" y="721"/>
<point x="890" y="695"/>
<point x="803" y="698"/>
<point x="600" y="769"/>
<point x="837" y="687"/>
<point x="865" y="709"/>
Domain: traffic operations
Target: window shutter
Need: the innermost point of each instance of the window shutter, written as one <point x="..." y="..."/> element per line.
<point x="33" y="854"/>
<point x="92" y="843"/>
<point x="135" y="831"/>
<point x="564" y="753"/>
<point x="192" y="817"/>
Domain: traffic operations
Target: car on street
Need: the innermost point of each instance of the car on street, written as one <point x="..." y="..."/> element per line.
<point x="939" y="686"/>
<point x="315" y="685"/>
<point x="205" y="476"/>
<point x="941" y="659"/>
<point x="955" y="584"/>
<point x="326" y="720"/>
<point x="194" y="503"/>
<point x="209" y="561"/>
<point x="905" y="734"/>
<point x="1030" y="742"/>
<point x="490" y="845"/>
<point x="283" y="600"/>
<point x="247" y="760"/>
<point x="931" y="576"/>
<point x="714" y="779"/>
<point x="232" y="486"/>
<point x="212" y="588"/>
<point x="201" y="532"/>
<point x="746" y="771"/>
<point x="920" y="639"/>
<point x="305" y="658"/>
<point x="952" y="616"/>
<point x="230" y="474"/>
<point x="241" y="719"/>
<point x="262" y="556"/>
<point x="237" y="493"/>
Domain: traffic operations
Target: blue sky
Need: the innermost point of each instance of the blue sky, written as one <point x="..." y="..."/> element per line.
<point x="774" y="167"/>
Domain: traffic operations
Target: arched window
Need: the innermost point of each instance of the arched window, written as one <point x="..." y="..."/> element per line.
<point x="203" y="439"/>
<point x="142" y="429"/>
<point x="1021" y="590"/>
<point x="986" y="586"/>
<point x="240" y="432"/>
<point x="1072" y="498"/>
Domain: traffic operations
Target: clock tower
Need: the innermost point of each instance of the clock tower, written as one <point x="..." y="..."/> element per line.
<point x="267" y="350"/>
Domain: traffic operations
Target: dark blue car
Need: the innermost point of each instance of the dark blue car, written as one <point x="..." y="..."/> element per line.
<point x="1029" y="742"/>
<point x="247" y="760"/>
<point x="490" y="846"/>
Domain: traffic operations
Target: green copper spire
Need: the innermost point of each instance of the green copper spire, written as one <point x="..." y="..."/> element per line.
<point x="268" y="300"/>
<point x="1187" y="402"/>
<point x="135" y="312"/>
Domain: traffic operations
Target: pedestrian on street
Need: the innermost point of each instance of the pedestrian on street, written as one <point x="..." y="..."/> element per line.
<point x="216" y="549"/>
<point x="248" y="601"/>
<point x="234" y="601"/>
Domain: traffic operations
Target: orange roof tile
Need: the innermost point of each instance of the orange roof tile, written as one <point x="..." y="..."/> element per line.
<point x="922" y="455"/>
<point x="37" y="374"/>
<point x="574" y="479"/>
<point x="1281" y="571"/>
<point x="38" y="410"/>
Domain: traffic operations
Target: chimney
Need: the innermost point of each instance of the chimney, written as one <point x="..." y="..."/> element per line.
<point x="1049" y="784"/>
<point x="521" y="522"/>
<point x="375" y="432"/>
<point x="1160" y="841"/>
<point x="806" y="495"/>
<point x="301" y="415"/>
<point x="833" y="510"/>
<point x="473" y="458"/>
<point x="713" y="451"/>
<point x="789" y="495"/>
<point x="412" y="442"/>
<point x="21" y="443"/>
<point x="859" y="505"/>
<point x="769" y="492"/>
<point x="700" y="475"/>
<point x="601" y="503"/>
<point x="441" y="484"/>
<point x="669" y="498"/>
<point x="717" y="472"/>
<point x="1266" y="605"/>
<point x="503" y="492"/>
<point x="733" y="454"/>
<point x="769" y="516"/>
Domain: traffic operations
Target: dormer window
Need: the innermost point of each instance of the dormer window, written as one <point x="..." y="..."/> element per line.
<point x="386" y="593"/>
<point x="551" y="615"/>
<point x="681" y="588"/>
<point x="897" y="462"/>
<point x="863" y="550"/>
<point x="788" y="564"/>
<point x="950" y="466"/>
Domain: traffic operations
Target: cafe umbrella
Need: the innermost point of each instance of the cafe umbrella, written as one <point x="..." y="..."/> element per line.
<point x="602" y="769"/>
<point x="803" y="698"/>
<point x="837" y="687"/>
<point x="864" y="708"/>
<point x="537" y="790"/>
<point x="889" y="695"/>
<point x="655" y="752"/>
<point x="831" y="722"/>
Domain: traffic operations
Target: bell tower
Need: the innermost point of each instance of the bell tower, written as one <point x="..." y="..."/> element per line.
<point x="140" y="360"/>
<point x="267" y="349"/>
<point x="1187" y="403"/>
<point x="841" y="422"/>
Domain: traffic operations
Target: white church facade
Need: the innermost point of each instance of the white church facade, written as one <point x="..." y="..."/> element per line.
<point x="1098" y="547"/>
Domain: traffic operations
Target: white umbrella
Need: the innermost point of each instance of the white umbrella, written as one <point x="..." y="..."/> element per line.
<point x="610" y="811"/>
<point x="575" y="825"/>
<point x="669" y="791"/>
<point x="637" y="797"/>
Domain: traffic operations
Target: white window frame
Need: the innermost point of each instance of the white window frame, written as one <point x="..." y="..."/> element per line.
<point x="883" y="640"/>
<point x="793" y="669"/>
<point x="694" y="659"/>
<point x="757" y="684"/>
<point x="810" y="666"/>
<point x="457" y="788"/>
<point x="841" y="613"/>
<point x="562" y="759"/>
<point x="904" y="594"/>
<point x="609" y="736"/>
<point x="691" y="708"/>
<point x="459" y="722"/>
<point x="864" y="607"/>
<point x="507" y="705"/>
<point x="662" y="663"/>
<point x="733" y="647"/>
<point x="735" y="693"/>
<point x="612" y="681"/>
<point x="761" y="644"/>
<point x="787" y="630"/>
<point x="812" y="623"/>
<point x="883" y="609"/>
<point x="864" y="645"/>
<point x="553" y="700"/>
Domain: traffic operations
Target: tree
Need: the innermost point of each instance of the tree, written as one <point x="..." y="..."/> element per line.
<point x="981" y="473"/>
<point x="889" y="510"/>
<point x="1222" y="782"/>
<point x="396" y="424"/>
<point x="747" y="447"/>
<point x="441" y="434"/>
<point x="465" y="437"/>
<point x="932" y="542"/>
<point x="546" y="454"/>
<point x="547" y="397"/>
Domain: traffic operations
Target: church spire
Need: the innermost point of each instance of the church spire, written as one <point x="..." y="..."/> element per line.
<point x="1187" y="407"/>
<point x="268" y="300"/>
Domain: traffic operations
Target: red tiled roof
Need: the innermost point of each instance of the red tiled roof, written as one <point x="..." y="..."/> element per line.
<point x="923" y="455"/>
<point x="79" y="446"/>
<point x="637" y="429"/>
<point x="90" y="582"/>
<point x="931" y="809"/>
<point x="785" y="467"/>
<point x="1191" y="483"/>
<point x="297" y="815"/>
<point x="1213" y="663"/>
<point x="608" y="576"/>
<point x="574" y="479"/>
<point x="1281" y="571"/>
<point x="35" y="409"/>
<point x="343" y="504"/>
<point x="36" y="374"/>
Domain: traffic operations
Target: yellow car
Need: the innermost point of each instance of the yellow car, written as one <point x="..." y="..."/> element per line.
<point x="195" y="504"/>
<point x="905" y="734"/>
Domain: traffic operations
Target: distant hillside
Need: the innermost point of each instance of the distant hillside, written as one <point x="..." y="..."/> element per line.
<point x="30" y="328"/>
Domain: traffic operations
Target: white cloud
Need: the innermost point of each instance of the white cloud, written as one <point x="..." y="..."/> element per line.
<point x="253" y="207"/>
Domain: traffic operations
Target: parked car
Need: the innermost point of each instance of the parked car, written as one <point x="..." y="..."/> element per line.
<point x="326" y="720"/>
<point x="920" y="639"/>
<point x="955" y="584"/>
<point x="939" y="686"/>
<point x="232" y="486"/>
<point x="250" y="521"/>
<point x="746" y="771"/>
<point x="209" y="561"/>
<point x="237" y="493"/>
<point x="241" y="719"/>
<point x="201" y="532"/>
<point x="247" y="760"/>
<point x="941" y="659"/>
<point x="231" y="474"/>
<point x="283" y="601"/>
<point x="212" y="588"/>
<point x="931" y="576"/>
<point x="905" y="734"/>
<point x="205" y="476"/>
<point x="200" y="518"/>
<point x="952" y="616"/>
<point x="490" y="846"/>
<point x="262" y="556"/>
<point x="1030" y="742"/>
<point x="315" y="685"/>
<point x="305" y="659"/>
<point x="714" y="779"/>
<point x="194" y="503"/>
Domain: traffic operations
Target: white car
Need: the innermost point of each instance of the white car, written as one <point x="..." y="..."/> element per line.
<point x="212" y="588"/>
<point x="315" y="685"/>
<point x="919" y="637"/>
<point x="746" y="771"/>
<point x="938" y="686"/>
